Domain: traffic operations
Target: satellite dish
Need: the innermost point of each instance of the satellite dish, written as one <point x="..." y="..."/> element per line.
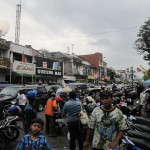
<point x="4" y="27"/>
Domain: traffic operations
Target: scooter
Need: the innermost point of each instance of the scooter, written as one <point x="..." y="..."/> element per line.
<point x="138" y="135"/>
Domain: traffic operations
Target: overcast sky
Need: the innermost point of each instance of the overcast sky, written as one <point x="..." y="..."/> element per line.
<point x="85" y="26"/>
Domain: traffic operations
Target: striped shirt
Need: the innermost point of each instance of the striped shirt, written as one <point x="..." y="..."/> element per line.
<point x="27" y="143"/>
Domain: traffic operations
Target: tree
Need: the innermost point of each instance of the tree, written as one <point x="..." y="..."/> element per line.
<point x="143" y="42"/>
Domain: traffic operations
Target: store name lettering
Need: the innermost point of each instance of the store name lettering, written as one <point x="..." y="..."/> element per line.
<point x="44" y="72"/>
<point x="58" y="73"/>
<point x="48" y="72"/>
<point x="20" y="67"/>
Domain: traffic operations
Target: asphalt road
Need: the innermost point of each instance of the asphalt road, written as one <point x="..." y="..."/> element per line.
<point x="57" y="143"/>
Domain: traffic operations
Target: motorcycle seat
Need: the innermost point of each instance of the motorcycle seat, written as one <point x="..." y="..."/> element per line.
<point x="11" y="117"/>
<point x="143" y="128"/>
<point x="142" y="120"/>
<point x="140" y="143"/>
<point x="138" y="134"/>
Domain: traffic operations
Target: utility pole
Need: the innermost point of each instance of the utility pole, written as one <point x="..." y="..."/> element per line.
<point x="18" y="18"/>
<point x="132" y="76"/>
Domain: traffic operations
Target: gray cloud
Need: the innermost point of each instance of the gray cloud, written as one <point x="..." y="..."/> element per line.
<point x="107" y="26"/>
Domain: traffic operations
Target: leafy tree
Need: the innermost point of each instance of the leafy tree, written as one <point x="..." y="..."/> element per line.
<point x="147" y="75"/>
<point x="143" y="42"/>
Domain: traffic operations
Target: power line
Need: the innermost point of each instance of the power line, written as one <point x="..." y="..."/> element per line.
<point x="93" y="34"/>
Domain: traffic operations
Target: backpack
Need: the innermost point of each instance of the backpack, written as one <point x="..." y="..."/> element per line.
<point x="83" y="116"/>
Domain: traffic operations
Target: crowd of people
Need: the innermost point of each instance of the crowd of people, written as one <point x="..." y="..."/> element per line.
<point x="105" y="129"/>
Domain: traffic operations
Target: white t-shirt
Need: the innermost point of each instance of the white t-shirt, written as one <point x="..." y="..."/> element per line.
<point x="21" y="99"/>
<point x="142" y="98"/>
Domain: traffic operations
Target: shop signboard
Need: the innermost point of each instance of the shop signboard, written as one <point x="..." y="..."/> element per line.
<point x="24" y="68"/>
<point x="48" y="67"/>
<point x="4" y="63"/>
<point x="48" y="72"/>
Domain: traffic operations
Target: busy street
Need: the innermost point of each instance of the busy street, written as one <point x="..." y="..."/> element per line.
<point x="126" y="98"/>
<point x="74" y="75"/>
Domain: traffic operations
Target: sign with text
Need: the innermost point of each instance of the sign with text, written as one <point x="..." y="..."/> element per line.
<point x="48" y="72"/>
<point x="44" y="64"/>
<point x="25" y="68"/>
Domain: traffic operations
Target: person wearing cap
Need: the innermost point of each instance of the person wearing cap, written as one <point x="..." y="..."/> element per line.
<point x="34" y="140"/>
<point x="106" y="125"/>
<point x="30" y="111"/>
<point x="51" y="106"/>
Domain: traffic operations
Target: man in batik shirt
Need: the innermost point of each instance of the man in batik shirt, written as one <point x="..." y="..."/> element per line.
<point x="106" y="124"/>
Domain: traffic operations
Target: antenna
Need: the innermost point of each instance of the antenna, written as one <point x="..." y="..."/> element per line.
<point x="18" y="18"/>
<point x="4" y="27"/>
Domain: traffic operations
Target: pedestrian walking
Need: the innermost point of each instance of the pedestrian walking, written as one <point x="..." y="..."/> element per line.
<point x="29" y="112"/>
<point x="71" y="111"/>
<point x="51" y="106"/>
<point x="34" y="140"/>
<point x="106" y="125"/>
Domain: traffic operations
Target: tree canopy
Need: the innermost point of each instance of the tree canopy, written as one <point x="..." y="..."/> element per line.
<point x="143" y="42"/>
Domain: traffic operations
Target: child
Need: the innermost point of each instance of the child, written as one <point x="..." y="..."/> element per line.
<point x="34" y="140"/>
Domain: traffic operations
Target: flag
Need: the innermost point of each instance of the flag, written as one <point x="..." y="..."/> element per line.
<point x="11" y="57"/>
<point x="23" y="58"/>
<point x="143" y="69"/>
<point x="139" y="70"/>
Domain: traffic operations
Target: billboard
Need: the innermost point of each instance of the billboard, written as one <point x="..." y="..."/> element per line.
<point x="48" y="67"/>
<point x="24" y="68"/>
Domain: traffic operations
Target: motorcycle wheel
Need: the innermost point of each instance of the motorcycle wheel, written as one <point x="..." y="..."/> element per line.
<point x="14" y="133"/>
<point x="2" y="144"/>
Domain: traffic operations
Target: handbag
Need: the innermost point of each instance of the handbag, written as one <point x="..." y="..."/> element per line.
<point x="83" y="117"/>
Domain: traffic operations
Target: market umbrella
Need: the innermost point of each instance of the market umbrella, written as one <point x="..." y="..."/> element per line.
<point x="146" y="83"/>
<point x="67" y="89"/>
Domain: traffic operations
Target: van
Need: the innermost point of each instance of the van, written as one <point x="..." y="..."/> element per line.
<point x="73" y="86"/>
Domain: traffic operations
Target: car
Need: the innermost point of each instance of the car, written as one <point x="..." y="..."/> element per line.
<point x="4" y="85"/>
<point x="52" y="88"/>
<point x="41" y="97"/>
<point x="73" y="86"/>
<point x="7" y="95"/>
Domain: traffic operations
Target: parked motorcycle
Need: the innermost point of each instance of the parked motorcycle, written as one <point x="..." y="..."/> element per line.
<point x="9" y="130"/>
<point x="138" y="135"/>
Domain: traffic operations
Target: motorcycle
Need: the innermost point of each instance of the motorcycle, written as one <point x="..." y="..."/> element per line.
<point x="9" y="130"/>
<point x="12" y="109"/>
<point x="138" y="135"/>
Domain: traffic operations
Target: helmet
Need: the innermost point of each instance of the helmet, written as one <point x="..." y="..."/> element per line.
<point x="58" y="98"/>
<point x="31" y="95"/>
